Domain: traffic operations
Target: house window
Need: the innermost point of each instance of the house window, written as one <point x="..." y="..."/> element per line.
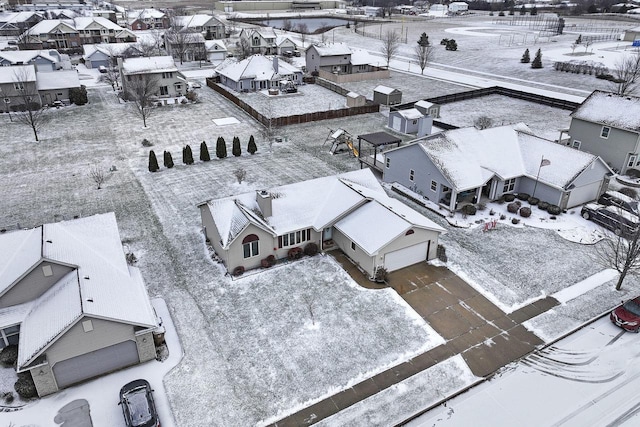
<point x="411" y="175"/>
<point x="164" y="90"/>
<point x="250" y="246"/>
<point x="509" y="185"/>
<point x="434" y="185"/>
<point x="256" y="41"/>
<point x="167" y="75"/>
<point x="604" y="133"/>
<point x="388" y="162"/>
<point x="409" y="233"/>
<point x="353" y="245"/>
<point x="9" y="335"/>
<point x="632" y="160"/>
<point x="18" y="86"/>
<point x="47" y="271"/>
<point x="294" y="238"/>
<point x="576" y="144"/>
<point x="445" y="188"/>
<point x="433" y="112"/>
<point x="415" y="122"/>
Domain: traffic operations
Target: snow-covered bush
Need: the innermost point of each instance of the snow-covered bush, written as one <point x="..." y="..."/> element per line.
<point x="509" y="197"/>
<point x="543" y="206"/>
<point x="238" y="271"/>
<point x="25" y="387"/>
<point x="513" y="207"/>
<point x="515" y="221"/>
<point x="311" y="249"/>
<point x="523" y="196"/>
<point x="9" y="355"/>
<point x="525" y="212"/>
<point x="533" y="200"/>
<point x="469" y="210"/>
<point x="554" y="210"/>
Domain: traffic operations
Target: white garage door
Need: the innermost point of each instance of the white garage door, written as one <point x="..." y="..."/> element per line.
<point x="584" y="194"/>
<point x="96" y="363"/>
<point x="404" y="257"/>
<point x="397" y="123"/>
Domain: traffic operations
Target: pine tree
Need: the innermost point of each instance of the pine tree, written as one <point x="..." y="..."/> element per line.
<point x="251" y="148"/>
<point x="579" y="39"/>
<point x="168" y="160"/>
<point x="451" y="45"/>
<point x="424" y="40"/>
<point x="204" y="152"/>
<point x="153" y="162"/>
<point x="537" y="61"/>
<point x="525" y="57"/>
<point x="236" y="150"/>
<point x="534" y="11"/>
<point x="188" y="154"/>
<point x="221" y="148"/>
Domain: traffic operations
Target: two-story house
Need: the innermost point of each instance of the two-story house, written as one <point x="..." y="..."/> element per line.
<point x="608" y="125"/>
<point x="210" y="27"/>
<point x="260" y="40"/>
<point x="16" y="23"/>
<point x="69" y="34"/>
<point x="170" y="81"/>
<point x="147" y="19"/>
<point x="18" y="87"/>
<point x="101" y="30"/>
<point x="71" y="303"/>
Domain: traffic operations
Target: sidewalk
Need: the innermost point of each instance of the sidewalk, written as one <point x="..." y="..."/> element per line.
<point x="486" y="337"/>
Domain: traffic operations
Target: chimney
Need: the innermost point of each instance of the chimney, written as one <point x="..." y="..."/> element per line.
<point x="264" y="202"/>
<point x="275" y="64"/>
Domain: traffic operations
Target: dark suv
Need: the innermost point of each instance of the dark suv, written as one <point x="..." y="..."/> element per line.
<point x="613" y="198"/>
<point x="613" y="218"/>
<point x="138" y="407"/>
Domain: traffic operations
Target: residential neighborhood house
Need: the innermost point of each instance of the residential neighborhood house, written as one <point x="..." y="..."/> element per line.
<point x="338" y="59"/>
<point x="257" y="72"/>
<point x="608" y="125"/>
<point x="71" y="303"/>
<point x="260" y="40"/>
<point x="210" y="27"/>
<point x="16" y="23"/>
<point x="44" y="60"/>
<point x="216" y="51"/>
<point x="170" y="81"/>
<point x="350" y="212"/>
<point x="147" y="19"/>
<point x="465" y="166"/>
<point x="55" y="86"/>
<point x="106" y="54"/>
<point x="16" y="83"/>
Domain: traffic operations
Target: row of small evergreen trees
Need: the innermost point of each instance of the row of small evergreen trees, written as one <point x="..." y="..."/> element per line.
<point x="537" y="61"/>
<point x="187" y="153"/>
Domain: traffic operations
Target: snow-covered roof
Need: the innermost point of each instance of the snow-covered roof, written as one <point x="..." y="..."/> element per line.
<point x="18" y="73"/>
<point x="424" y="104"/>
<point x="16" y="17"/>
<point x="48" y="25"/>
<point x="362" y="57"/>
<point x="258" y="67"/>
<point x="469" y="157"/>
<point x="606" y="108"/>
<point x="316" y="203"/>
<point x="384" y="89"/>
<point x="109" y="49"/>
<point x="22" y="56"/>
<point x="84" y="22"/>
<point x="212" y="45"/>
<point x="154" y="64"/>
<point x="410" y="114"/>
<point x="101" y="284"/>
<point x="192" y="21"/>
<point x="146" y="14"/>
<point x="332" y="49"/>
<point x="57" y="80"/>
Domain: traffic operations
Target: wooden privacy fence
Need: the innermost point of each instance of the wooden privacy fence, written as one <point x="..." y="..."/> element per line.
<point x="370" y="107"/>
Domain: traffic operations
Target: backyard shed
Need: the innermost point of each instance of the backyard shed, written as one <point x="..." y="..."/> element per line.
<point x="355" y="100"/>
<point x="428" y="108"/>
<point x="386" y="96"/>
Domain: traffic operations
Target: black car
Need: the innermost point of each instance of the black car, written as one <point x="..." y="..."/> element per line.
<point x="613" y="198"/>
<point x="613" y="218"/>
<point x="139" y="410"/>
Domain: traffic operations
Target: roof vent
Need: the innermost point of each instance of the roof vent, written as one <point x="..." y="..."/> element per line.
<point x="86" y="277"/>
<point x="49" y="241"/>
<point x="90" y="299"/>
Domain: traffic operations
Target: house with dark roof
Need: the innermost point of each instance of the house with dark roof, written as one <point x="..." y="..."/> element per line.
<point x="463" y="166"/>
<point x="608" y="125"/>
<point x="71" y="303"/>
<point x="350" y="212"/>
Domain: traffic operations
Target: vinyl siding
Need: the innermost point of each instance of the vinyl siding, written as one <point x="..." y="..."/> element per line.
<point x="33" y="284"/>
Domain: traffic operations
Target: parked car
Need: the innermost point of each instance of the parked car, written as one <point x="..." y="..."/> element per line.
<point x="137" y="403"/>
<point x="613" y="218"/>
<point x="613" y="198"/>
<point x="627" y="315"/>
<point x="102" y="69"/>
<point x="194" y="85"/>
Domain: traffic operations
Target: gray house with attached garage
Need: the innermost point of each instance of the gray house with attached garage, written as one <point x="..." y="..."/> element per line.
<point x="463" y="166"/>
<point x="71" y="303"/>
<point x="608" y="125"/>
<point x="350" y="212"/>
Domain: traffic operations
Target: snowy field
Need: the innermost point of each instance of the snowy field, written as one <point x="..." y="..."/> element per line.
<point x="252" y="350"/>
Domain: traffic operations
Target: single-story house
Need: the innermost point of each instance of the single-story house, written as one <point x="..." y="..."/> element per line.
<point x="257" y="72"/>
<point x="386" y="96"/>
<point x="106" y="54"/>
<point x="71" y="303"/>
<point x="426" y="107"/>
<point x="410" y="121"/>
<point x="466" y="165"/>
<point x="55" y="86"/>
<point x="351" y="212"/>
<point x="16" y="84"/>
<point x="43" y="60"/>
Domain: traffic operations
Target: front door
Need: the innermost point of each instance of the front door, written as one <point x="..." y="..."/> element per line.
<point x="327" y="233"/>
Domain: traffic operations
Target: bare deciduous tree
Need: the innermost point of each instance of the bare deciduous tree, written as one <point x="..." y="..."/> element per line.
<point x="621" y="254"/>
<point x="626" y="71"/>
<point x="34" y="114"/>
<point x="98" y="175"/>
<point x="424" y="52"/>
<point x="141" y="90"/>
<point x="483" y="122"/>
<point x="303" y="30"/>
<point x="240" y="174"/>
<point x="244" y="49"/>
<point x="390" y="44"/>
<point x="269" y="130"/>
<point x="179" y="41"/>
<point x="111" y="76"/>
<point x="309" y="302"/>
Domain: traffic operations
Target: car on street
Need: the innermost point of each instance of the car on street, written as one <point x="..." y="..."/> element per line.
<point x="102" y="69"/>
<point x="627" y="315"/>
<point x="613" y="218"/>
<point x="138" y="407"/>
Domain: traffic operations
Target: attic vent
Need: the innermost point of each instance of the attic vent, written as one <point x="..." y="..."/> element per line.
<point x="86" y="277"/>
<point x="49" y="241"/>
<point x="90" y="299"/>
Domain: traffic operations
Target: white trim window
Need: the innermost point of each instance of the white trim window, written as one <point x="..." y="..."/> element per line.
<point x="9" y="335"/>
<point x="605" y="131"/>
<point x="250" y="246"/>
<point x="294" y="238"/>
<point x="434" y="185"/>
<point x="412" y="175"/>
<point x="388" y="162"/>
<point x="576" y="144"/>
<point x="509" y="185"/>
<point x="632" y="160"/>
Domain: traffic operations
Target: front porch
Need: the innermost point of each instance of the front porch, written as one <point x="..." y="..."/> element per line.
<point x="456" y="200"/>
